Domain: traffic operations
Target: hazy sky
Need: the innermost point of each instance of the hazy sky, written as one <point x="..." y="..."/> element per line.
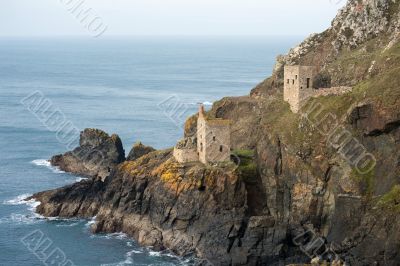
<point x="169" y="17"/>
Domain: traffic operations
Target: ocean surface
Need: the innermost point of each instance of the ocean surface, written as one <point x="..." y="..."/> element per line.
<point x="140" y="88"/>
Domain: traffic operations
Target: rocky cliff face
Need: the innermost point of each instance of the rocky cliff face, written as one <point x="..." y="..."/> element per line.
<point x="360" y="21"/>
<point x="186" y="208"/>
<point x="96" y="155"/>
<point x="298" y="175"/>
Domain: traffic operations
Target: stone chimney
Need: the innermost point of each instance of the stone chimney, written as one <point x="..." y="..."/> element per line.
<point x="202" y="113"/>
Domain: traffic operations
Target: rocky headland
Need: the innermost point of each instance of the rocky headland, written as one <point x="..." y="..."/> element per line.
<point x="293" y="183"/>
<point x="96" y="155"/>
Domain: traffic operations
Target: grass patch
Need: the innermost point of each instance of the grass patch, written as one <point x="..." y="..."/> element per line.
<point x="247" y="166"/>
<point x="391" y="200"/>
<point x="245" y="154"/>
<point x="366" y="181"/>
<point x="384" y="89"/>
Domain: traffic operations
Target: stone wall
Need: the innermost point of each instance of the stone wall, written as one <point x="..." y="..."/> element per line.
<point x="213" y="140"/>
<point x="185" y="155"/>
<point x="218" y="143"/>
<point x="290" y="91"/>
<point x="298" y="84"/>
<point x="331" y="91"/>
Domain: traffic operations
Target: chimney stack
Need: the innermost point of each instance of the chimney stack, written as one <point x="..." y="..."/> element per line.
<point x="201" y="110"/>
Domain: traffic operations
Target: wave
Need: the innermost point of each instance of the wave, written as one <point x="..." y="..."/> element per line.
<point x="22" y="200"/>
<point x="79" y="179"/>
<point x="90" y="222"/>
<point x="155" y="253"/>
<point x="136" y="252"/>
<point x="68" y="223"/>
<point x="19" y="200"/>
<point x="47" y="164"/>
<point x="54" y="169"/>
<point x="120" y="236"/>
<point x="29" y="218"/>
<point x="17" y="218"/>
<point x="168" y="254"/>
<point x="130" y="258"/>
<point x="207" y="103"/>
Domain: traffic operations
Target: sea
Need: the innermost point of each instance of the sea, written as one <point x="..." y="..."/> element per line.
<point x="141" y="88"/>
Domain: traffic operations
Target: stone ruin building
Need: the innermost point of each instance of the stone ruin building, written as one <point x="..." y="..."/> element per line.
<point x="298" y="86"/>
<point x="212" y="143"/>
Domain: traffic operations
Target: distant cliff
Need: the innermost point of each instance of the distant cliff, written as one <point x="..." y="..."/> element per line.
<point x="297" y="173"/>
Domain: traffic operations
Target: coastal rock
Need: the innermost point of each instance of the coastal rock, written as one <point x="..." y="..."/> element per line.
<point x="97" y="154"/>
<point x="138" y="150"/>
<point x="191" y="209"/>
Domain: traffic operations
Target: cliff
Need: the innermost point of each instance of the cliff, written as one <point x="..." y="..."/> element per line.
<point x="300" y="174"/>
<point x="96" y="155"/>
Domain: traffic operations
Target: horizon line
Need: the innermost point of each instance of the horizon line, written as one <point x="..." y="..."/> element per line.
<point x="151" y="35"/>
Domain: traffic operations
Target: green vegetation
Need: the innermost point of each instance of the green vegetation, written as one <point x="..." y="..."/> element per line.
<point x="351" y="66"/>
<point x="247" y="167"/>
<point x="391" y="200"/>
<point x="245" y="154"/>
<point x="191" y="125"/>
<point x="366" y="181"/>
<point x="281" y="121"/>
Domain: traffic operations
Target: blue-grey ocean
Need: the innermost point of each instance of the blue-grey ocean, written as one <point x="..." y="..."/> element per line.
<point x="140" y="88"/>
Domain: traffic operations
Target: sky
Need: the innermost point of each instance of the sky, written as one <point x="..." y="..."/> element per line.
<point x="25" y="18"/>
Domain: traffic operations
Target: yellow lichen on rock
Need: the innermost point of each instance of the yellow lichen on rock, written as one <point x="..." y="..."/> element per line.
<point x="167" y="171"/>
<point x="130" y="167"/>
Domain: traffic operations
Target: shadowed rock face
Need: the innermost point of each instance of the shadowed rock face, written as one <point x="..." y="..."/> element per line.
<point x="96" y="155"/>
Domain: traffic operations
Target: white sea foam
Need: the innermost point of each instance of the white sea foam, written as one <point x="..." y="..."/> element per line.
<point x="206" y="103"/>
<point x="68" y="223"/>
<point x="168" y="253"/>
<point x="22" y="200"/>
<point x="155" y="253"/>
<point x="91" y="222"/>
<point x="119" y="236"/>
<point x="16" y="218"/>
<point x="127" y="261"/>
<point x="47" y="164"/>
<point x="42" y="162"/>
<point x="19" y="200"/>
<point x="31" y="217"/>
<point x="143" y="251"/>
<point x="79" y="179"/>
<point x="135" y="252"/>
